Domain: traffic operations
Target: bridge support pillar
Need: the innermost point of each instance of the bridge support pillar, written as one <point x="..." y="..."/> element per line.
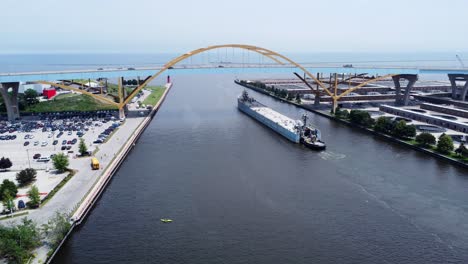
<point x="412" y="78"/>
<point x="122" y="113"/>
<point x="335" y="104"/>
<point x="453" y="81"/>
<point x="317" y="92"/>
<point x="11" y="101"/>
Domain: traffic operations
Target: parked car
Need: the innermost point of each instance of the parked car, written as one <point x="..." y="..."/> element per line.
<point x="26" y="143"/>
<point x="36" y="143"/>
<point x="55" y="142"/>
<point x="43" y="159"/>
<point x="64" y="142"/>
<point x="36" y="156"/>
<point x="21" y="204"/>
<point x="43" y="144"/>
<point x="63" y="148"/>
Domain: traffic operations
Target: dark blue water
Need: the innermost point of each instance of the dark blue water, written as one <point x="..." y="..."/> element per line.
<point x="239" y="193"/>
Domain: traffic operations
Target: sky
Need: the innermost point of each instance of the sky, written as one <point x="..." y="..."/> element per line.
<point x="172" y="26"/>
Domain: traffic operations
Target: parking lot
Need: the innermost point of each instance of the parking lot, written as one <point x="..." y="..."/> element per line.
<point x="31" y="143"/>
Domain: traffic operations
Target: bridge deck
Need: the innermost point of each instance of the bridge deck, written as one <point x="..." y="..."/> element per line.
<point x="221" y="68"/>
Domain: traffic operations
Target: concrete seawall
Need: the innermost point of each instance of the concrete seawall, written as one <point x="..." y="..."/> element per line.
<point x="96" y="191"/>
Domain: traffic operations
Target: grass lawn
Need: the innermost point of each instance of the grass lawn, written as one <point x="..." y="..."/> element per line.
<point x="156" y="93"/>
<point x="70" y="102"/>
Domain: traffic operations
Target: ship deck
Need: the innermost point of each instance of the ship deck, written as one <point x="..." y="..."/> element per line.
<point x="276" y="117"/>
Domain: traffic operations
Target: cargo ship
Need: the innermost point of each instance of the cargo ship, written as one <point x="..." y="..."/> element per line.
<point x="296" y="131"/>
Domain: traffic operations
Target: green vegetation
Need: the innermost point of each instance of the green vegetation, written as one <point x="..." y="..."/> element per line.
<point x="384" y="125"/>
<point x="402" y="130"/>
<point x="156" y="93"/>
<point x="26" y="176"/>
<point x="70" y="102"/>
<point x="5" y="163"/>
<point x="60" y="162"/>
<point x="445" y="144"/>
<point x="82" y="148"/>
<point x="361" y="118"/>
<point x="82" y="81"/>
<point x="462" y="151"/>
<point x="425" y="139"/>
<point x="30" y="97"/>
<point x="8" y="188"/>
<point x="298" y="98"/>
<point x="113" y="89"/>
<point x="34" y="198"/>
<point x="17" y="242"/>
<point x="56" y="229"/>
<point x="341" y="114"/>
<point x="8" y="202"/>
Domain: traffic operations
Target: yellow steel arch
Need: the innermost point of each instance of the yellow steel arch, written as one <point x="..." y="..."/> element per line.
<point x="265" y="52"/>
<point x="276" y="57"/>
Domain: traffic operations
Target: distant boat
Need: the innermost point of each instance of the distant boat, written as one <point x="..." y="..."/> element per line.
<point x="166" y="220"/>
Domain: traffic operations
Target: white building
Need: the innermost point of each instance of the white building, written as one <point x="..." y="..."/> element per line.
<point x="35" y="86"/>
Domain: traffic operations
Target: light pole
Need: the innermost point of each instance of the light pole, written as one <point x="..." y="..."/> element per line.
<point x="29" y="161"/>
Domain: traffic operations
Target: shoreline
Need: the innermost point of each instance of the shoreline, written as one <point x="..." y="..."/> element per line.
<point x="363" y="129"/>
<point x="96" y="191"/>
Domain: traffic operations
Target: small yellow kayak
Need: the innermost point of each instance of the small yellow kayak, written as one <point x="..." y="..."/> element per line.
<point x="166" y="220"/>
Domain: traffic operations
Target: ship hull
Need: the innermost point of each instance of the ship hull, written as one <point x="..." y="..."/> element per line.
<point x="294" y="137"/>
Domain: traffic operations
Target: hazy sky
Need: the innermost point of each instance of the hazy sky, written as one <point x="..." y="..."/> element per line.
<point x="160" y="26"/>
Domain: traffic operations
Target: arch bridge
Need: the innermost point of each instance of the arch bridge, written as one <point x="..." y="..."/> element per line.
<point x="280" y="63"/>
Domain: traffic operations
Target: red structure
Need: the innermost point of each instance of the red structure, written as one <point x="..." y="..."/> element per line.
<point x="49" y="93"/>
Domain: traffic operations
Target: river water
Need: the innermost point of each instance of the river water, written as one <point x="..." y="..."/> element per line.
<point x="240" y="193"/>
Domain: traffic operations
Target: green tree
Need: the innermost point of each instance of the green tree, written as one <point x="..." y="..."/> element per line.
<point x="56" y="228"/>
<point x="298" y="98"/>
<point x="60" y="162"/>
<point x="26" y="176"/>
<point x="361" y="118"/>
<point x="82" y="148"/>
<point x="462" y="150"/>
<point x="399" y="129"/>
<point x="8" y="188"/>
<point x="445" y="144"/>
<point x="410" y="131"/>
<point x="34" y="198"/>
<point x="8" y="202"/>
<point x="342" y="114"/>
<point x="384" y="125"/>
<point x="5" y="163"/>
<point x="402" y="130"/>
<point x="17" y="242"/>
<point x="425" y="139"/>
<point x="30" y="97"/>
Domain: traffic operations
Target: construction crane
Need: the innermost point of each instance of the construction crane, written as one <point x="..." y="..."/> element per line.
<point x="460" y="60"/>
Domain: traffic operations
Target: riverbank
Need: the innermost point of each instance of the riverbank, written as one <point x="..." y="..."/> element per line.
<point x="93" y="195"/>
<point x="364" y="129"/>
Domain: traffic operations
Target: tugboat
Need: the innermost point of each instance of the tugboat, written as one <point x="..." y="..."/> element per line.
<point x="311" y="136"/>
